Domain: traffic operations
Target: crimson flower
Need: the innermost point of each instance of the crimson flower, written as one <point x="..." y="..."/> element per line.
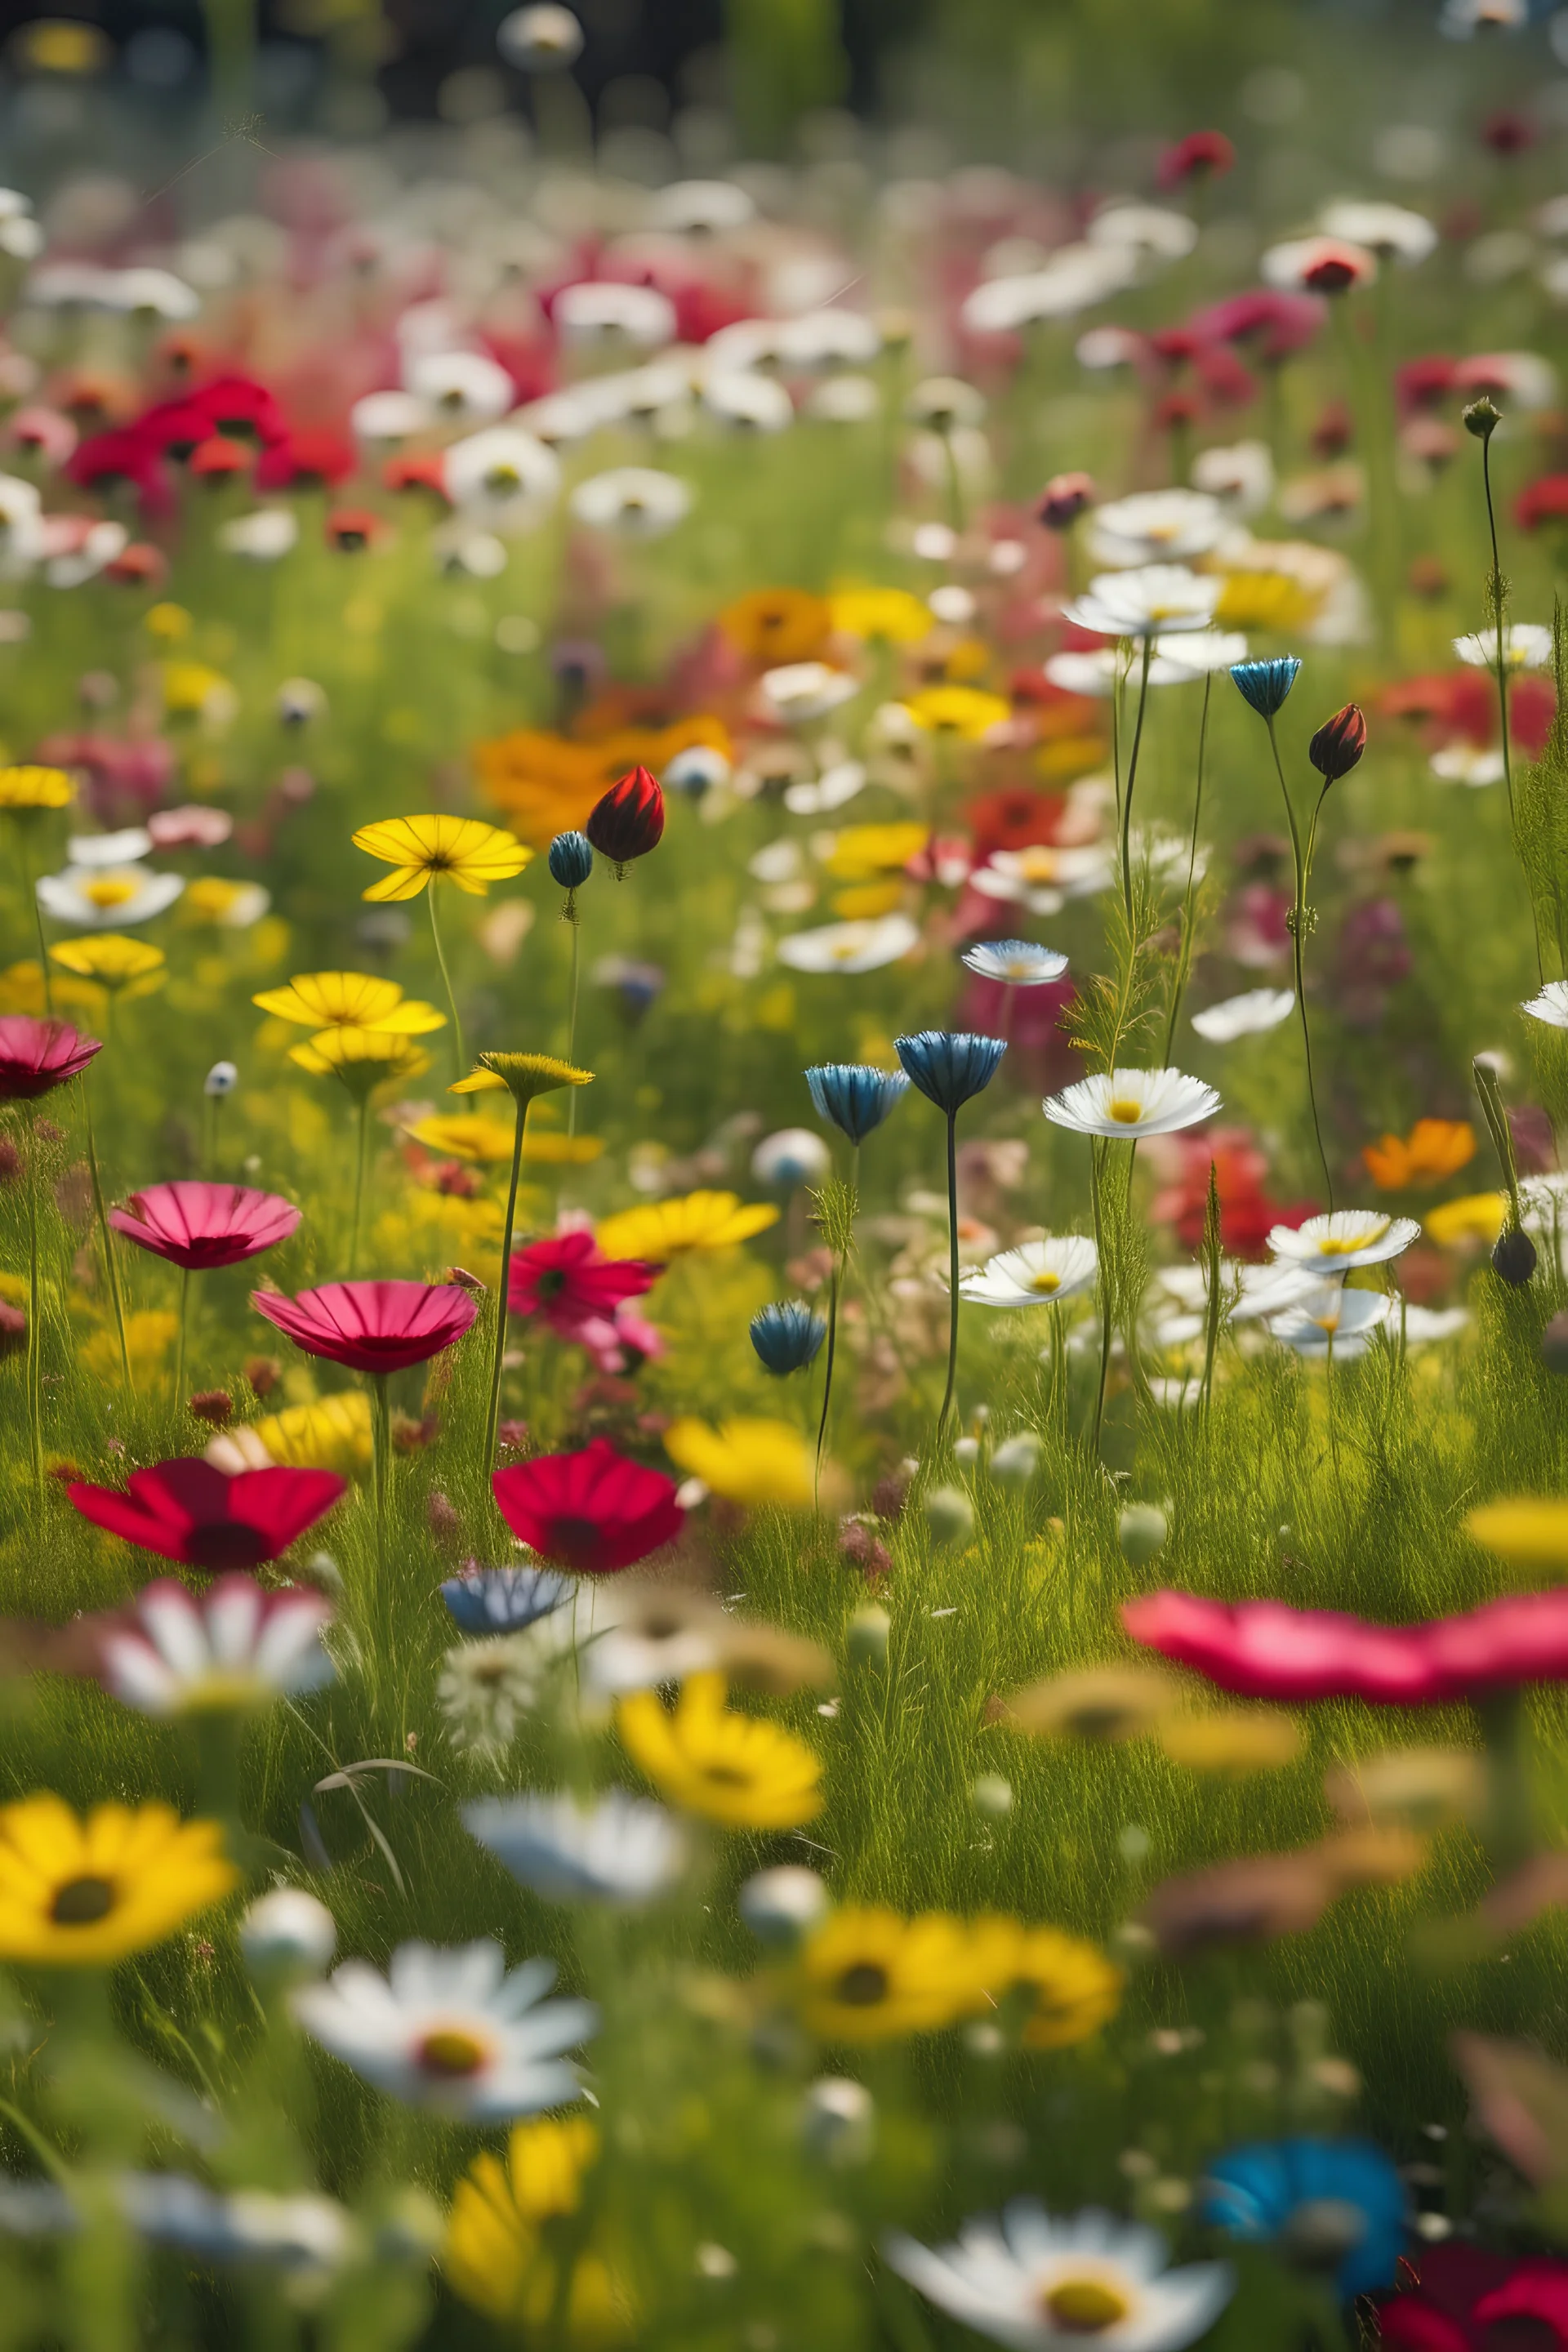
<point x="123" y="454"/>
<point x="1200" y="155"/>
<point x="627" y="821"/>
<point x="564" y="1280"/>
<point x="592" y="1511"/>
<point x="1338" y="744"/>
<point x="197" y="1226"/>
<point x="1274" y="321"/>
<point x="1542" y="500"/>
<point x="186" y="1510"/>
<point x="1460" y="2298"/>
<point x="1263" y="1649"/>
<point x="35" y="1056"/>
<point x="307" y="456"/>
<point x="372" y="1326"/>
<point x="237" y="404"/>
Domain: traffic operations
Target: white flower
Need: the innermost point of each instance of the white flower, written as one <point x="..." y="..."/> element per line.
<point x="706" y="206"/>
<point x="753" y="403"/>
<point x="1028" y="2281"/>
<point x="942" y="402"/>
<point x="632" y="501"/>
<point x="462" y="387"/>
<point x="1423" y="1325"/>
<point x="1179" y="659"/>
<point x="1154" y="527"/>
<point x="102" y="898"/>
<point x="157" y="293"/>
<point x="389" y="416"/>
<point x="620" y="1849"/>
<point x="478" y="554"/>
<point x="562" y="417"/>
<point x="1347" y="1238"/>
<point x="1294" y="264"/>
<point x="1132" y="1103"/>
<point x="1146" y="601"/>
<point x="262" y="537"/>
<point x="298" y="2233"/>
<point x="1144" y="228"/>
<point x="1249" y="1294"/>
<point x="1241" y="477"/>
<point x="1247" y="1015"/>
<point x="1525" y="645"/>
<point x="287" y="1930"/>
<point x="834" y="789"/>
<point x="699" y="769"/>
<point x="244" y="904"/>
<point x="1551" y="1006"/>
<point x="487" y="1686"/>
<point x="1074" y="279"/>
<point x="844" y="399"/>
<point x="1461" y="18"/>
<point x="1019" y="962"/>
<point x="234" y="1646"/>
<point x="21" y="524"/>
<point x="1036" y="1274"/>
<point x="501" y="477"/>
<point x="795" y="1155"/>
<point x="1041" y="878"/>
<point x="600" y="312"/>
<point x="123" y="848"/>
<point x="1390" y="231"/>
<point x="1341" y="1319"/>
<point x="849" y="947"/>
<point x="779" y="1905"/>
<point x="544" y="38"/>
<point x="448" y="2028"/>
<point x="1467" y="763"/>
<point x="801" y="691"/>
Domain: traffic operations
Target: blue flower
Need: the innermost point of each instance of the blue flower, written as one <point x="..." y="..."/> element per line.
<point x="1264" y="684"/>
<point x="571" y="860"/>
<point x="1268" y="2190"/>
<point x="505" y="1600"/>
<point x="787" y="1335"/>
<point x="949" y="1065"/>
<point x="854" y="1097"/>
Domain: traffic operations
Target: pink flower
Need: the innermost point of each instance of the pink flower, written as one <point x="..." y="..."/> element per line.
<point x="613" y="1341"/>
<point x="372" y="1326"/>
<point x="197" y="1226"/>
<point x="186" y="1510"/>
<point x="35" y="1056"/>
<point x="564" y="1279"/>
<point x="197" y="827"/>
<point x="1262" y="1649"/>
<point x="592" y="1511"/>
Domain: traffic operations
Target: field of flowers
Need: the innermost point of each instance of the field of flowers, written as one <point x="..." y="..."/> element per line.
<point x="783" y="1319"/>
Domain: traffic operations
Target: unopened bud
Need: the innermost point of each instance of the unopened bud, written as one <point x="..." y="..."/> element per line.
<point x="1554" y="1344"/>
<point x="950" y="1514"/>
<point x="866" y="1640"/>
<point x="991" y="1795"/>
<point x="221" y="1079"/>
<point x="838" y="2120"/>
<point x="288" y="1934"/>
<point x="1513" y="1257"/>
<point x="1338" y="744"/>
<point x="780" y="1906"/>
<point x="1141" y="1531"/>
<point x="1481" y="418"/>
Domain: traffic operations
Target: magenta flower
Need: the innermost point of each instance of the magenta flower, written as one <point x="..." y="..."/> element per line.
<point x="566" y="1281"/>
<point x="198" y="1225"/>
<point x="186" y="1510"/>
<point x="35" y="1056"/>
<point x="1262" y="1649"/>
<point x="592" y="1511"/>
<point x="372" y="1326"/>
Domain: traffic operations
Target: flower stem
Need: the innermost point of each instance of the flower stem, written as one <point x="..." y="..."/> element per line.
<point x="492" y="1415"/>
<point x="827" y="1373"/>
<point x="180" y="1350"/>
<point x="1185" y="960"/>
<point x="381" y="1445"/>
<point x="575" y="922"/>
<point x="461" y="1057"/>
<point x="106" y="1234"/>
<point x="31" y="889"/>
<point x="952" y="1272"/>
<point x="1498" y="591"/>
<point x="35" y="1333"/>
<point x="359" y="1183"/>
<point x="1096" y="1176"/>
<point x="1301" y="859"/>
<point x="1132" y="778"/>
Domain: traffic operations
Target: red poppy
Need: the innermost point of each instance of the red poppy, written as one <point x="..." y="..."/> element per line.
<point x="372" y="1326"/>
<point x="1201" y="155"/>
<point x="239" y="405"/>
<point x="186" y="1510"/>
<point x="219" y="459"/>
<point x="1063" y="500"/>
<point x="1016" y="816"/>
<point x="1264" y="1649"/>
<point x="1459" y="2298"/>
<point x="627" y="821"/>
<point x="197" y="1225"/>
<point x="309" y="455"/>
<point x="35" y="1056"/>
<point x="350" y="529"/>
<point x="417" y="469"/>
<point x="592" y="1511"/>
<point x="565" y="1280"/>
<point x="139" y="565"/>
<point x="124" y="454"/>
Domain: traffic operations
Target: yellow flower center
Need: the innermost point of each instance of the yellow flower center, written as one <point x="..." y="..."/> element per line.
<point x="1084" y="2307"/>
<point x="451" y="2052"/>
<point x="500" y="479"/>
<point x="1344" y="1244"/>
<point x="111" y="890"/>
<point x="1124" y="1110"/>
<point x="863" y="1986"/>
<point x="1045" y="1281"/>
<point x="83" y="1902"/>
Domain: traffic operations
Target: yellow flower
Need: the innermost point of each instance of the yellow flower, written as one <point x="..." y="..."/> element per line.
<point x="25" y="790"/>
<point x="552" y="1150"/>
<point x="890" y="614"/>
<point x="361" y="1059"/>
<point x="495" y="2256"/>
<point x="864" y="901"/>
<point x="867" y="1974"/>
<point x="22" y="990"/>
<point x="863" y="850"/>
<point x="777" y="625"/>
<point x="214" y="898"/>
<point x="735" y="1769"/>
<point x="1233" y="1739"/>
<point x="666" y="1229"/>
<point x="349" y="1000"/>
<point x="149" y="1336"/>
<point x="1476" y="1217"/>
<point x="967" y="711"/>
<point x="420" y="848"/>
<point x="170" y="623"/>
<point x="192" y="690"/>
<point x="334" y="1434"/>
<point x="117" y="962"/>
<point x="745" y="1461"/>
<point x="1529" y="1532"/>
<point x="474" y="1140"/>
<point x="77" y="1893"/>
<point x="524" y="1076"/>
<point x="1076" y="1990"/>
<point x="1112" y="1702"/>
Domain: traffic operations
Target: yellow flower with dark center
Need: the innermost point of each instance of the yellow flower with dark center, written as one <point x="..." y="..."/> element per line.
<point x="423" y="849"/>
<point x="77" y="1893"/>
<point x="777" y="625"/>
<point x="22" y="990"/>
<point x="28" y="791"/>
<point x="171" y="623"/>
<point x="868" y="1974"/>
<point x="666" y="1229"/>
<point x="750" y="1461"/>
<point x="890" y="614"/>
<point x="1075" y="1989"/>
<point x="475" y="1141"/>
<point x="967" y="711"/>
<point x="192" y="690"/>
<point x="735" y="1769"/>
<point x="217" y="898"/>
<point x="495" y="2256"/>
<point x="349" y="1000"/>
<point x="332" y="1433"/>
<point x="361" y="1059"/>
<point x="523" y="1075"/>
<point x="122" y="965"/>
<point x="861" y="852"/>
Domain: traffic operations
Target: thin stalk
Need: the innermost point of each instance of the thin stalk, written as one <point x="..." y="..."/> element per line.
<point x="1185" y="962"/>
<point x="952" y="1272"/>
<point x="954" y="485"/>
<point x="30" y="887"/>
<point x="1059" y="1407"/>
<point x="180" y="1348"/>
<point x="34" y="1329"/>
<point x="492" y="1414"/>
<point x="575" y="920"/>
<point x="1299" y="944"/>
<point x="461" y="1058"/>
<point x="1096" y="1149"/>
<point x="1500" y="601"/>
<point x="380" y="1446"/>
<point x="1132" y="778"/>
<point x="110" y="1270"/>
<point x="827" y="1370"/>
<point x="361" y="1155"/>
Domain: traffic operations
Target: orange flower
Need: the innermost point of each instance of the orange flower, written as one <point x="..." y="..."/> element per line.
<point x="544" y="784"/>
<point x="1434" y="1148"/>
<point x="777" y="625"/>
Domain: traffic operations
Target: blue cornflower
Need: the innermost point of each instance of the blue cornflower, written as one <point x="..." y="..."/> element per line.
<point x="1283" y="2190"/>
<point x="505" y="1600"/>
<point x="1264" y="684"/>
<point x="787" y="1336"/>
<point x="949" y="1065"/>
<point x="853" y="1097"/>
<point x="571" y="860"/>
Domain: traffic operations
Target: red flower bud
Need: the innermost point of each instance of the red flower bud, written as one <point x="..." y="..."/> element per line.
<point x="1338" y="744"/>
<point x="1194" y="157"/>
<point x="628" y="821"/>
<point x="1063" y="500"/>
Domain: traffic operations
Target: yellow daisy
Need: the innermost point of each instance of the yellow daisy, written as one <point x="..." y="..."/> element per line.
<point x="666" y="1229"/>
<point x="735" y="1769"/>
<point x="749" y="1461"/>
<point x="420" y="848"/>
<point x="1233" y="1739"/>
<point x="349" y="1000"/>
<point x="523" y="1075"/>
<point x="334" y="1434"/>
<point x="117" y="962"/>
<point x="1529" y="1532"/>
<point x="1476" y="1217"/>
<point x="864" y="851"/>
<point x="890" y="613"/>
<point x="1076" y="1990"/>
<point x="866" y="1974"/>
<point x="967" y="711"/>
<point x="77" y="1893"/>
<point x="476" y="1140"/>
<point x="495" y="2256"/>
<point x="361" y="1059"/>
<point x="27" y="791"/>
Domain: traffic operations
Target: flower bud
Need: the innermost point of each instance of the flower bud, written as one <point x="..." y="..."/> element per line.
<point x="1338" y="744"/>
<point x="780" y="1906"/>
<point x="950" y="1514"/>
<point x="1141" y="1530"/>
<point x="221" y="1079"/>
<point x="1513" y="1257"/>
<point x="787" y="1336"/>
<point x="838" y="2119"/>
<point x="866" y="1640"/>
<point x="1063" y="500"/>
<point x="1482" y="417"/>
<point x="571" y="860"/>
<point x="1017" y="1459"/>
<point x="288" y="1934"/>
<point x="629" y="820"/>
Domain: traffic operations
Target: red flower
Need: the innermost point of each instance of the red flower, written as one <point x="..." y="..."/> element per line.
<point x="124" y="454"/>
<point x="1265" y="1650"/>
<point x="1338" y="744"/>
<point x="564" y="1279"/>
<point x="239" y="406"/>
<point x="197" y="1225"/>
<point x="1063" y="500"/>
<point x="35" y="1056"/>
<point x="1424" y="384"/>
<point x="1276" y="320"/>
<point x="1201" y="155"/>
<point x="1462" y="2299"/>
<point x="186" y="1510"/>
<point x="1545" y="500"/>
<point x="592" y="1511"/>
<point x="219" y="459"/>
<point x="309" y="455"/>
<point x="372" y="1326"/>
<point x="1016" y="816"/>
<point x="628" y="821"/>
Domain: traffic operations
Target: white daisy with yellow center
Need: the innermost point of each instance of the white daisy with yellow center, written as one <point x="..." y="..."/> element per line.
<point x="1333" y="1317"/>
<point x="107" y="898"/>
<point x="1129" y="1104"/>
<point x="1147" y="602"/>
<point x="1036" y="1274"/>
<point x="850" y="947"/>
<point x="1347" y="1238"/>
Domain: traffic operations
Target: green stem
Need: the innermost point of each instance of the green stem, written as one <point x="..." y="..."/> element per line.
<point x="1184" y="961"/>
<point x="106" y="1234"/>
<point x="1132" y="778"/>
<point x="1096" y="1149"/>
<point x="380" y="1446"/>
<point x="492" y="1416"/>
<point x="1500" y="603"/>
<point x="827" y="1373"/>
<point x="31" y="889"/>
<point x="952" y="1272"/>
<point x="360" y="1158"/>
<point x="35" y="1325"/>
<point x="1301" y="861"/>
<point x="461" y="1057"/>
<point x="180" y="1350"/>
<point x="575" y="922"/>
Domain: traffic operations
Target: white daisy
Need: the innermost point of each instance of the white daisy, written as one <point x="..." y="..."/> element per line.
<point x="234" y="1646"/>
<point x="701" y="207"/>
<point x="751" y="403"/>
<point x="1074" y="279"/>
<point x="1347" y="1238"/>
<point x="308" y="2233"/>
<point x="487" y="1686"/>
<point x="599" y="311"/>
<point x="800" y="691"/>
<point x="1249" y="1294"/>
<point x="153" y="293"/>
<point x="1036" y="1274"/>
<point x="1467" y="763"/>
<point x="121" y="848"/>
<point x="1525" y="645"/>
<point x="1241" y="477"/>
<point x="462" y="387"/>
<point x="448" y="2028"/>
<point x="106" y="898"/>
<point x="1031" y="2282"/>
<point x="1144" y="228"/>
<point x="844" y="399"/>
<point x="264" y="537"/>
<point x="1551" y="1006"/>
<point x="501" y="477"/>
<point x="1423" y="1325"/>
<point x="389" y="416"/>
<point x="1338" y="1318"/>
<point x="849" y="947"/>
<point x="1041" y="878"/>
<point x="544" y="38"/>
<point x="1146" y="601"/>
<point x="834" y="788"/>
<point x="1127" y="1104"/>
<point x="632" y="501"/>
<point x="1296" y="264"/>
<point x="1154" y="527"/>
<point x="828" y="336"/>
<point x="619" y="1849"/>
<point x="1247" y="1015"/>
<point x="1390" y="231"/>
<point x="1020" y="963"/>
<point x="942" y="402"/>
<point x="1200" y="650"/>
